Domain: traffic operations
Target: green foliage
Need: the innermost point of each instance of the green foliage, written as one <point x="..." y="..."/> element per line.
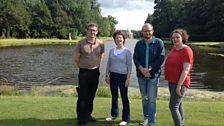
<point x="51" y="18"/>
<point x="8" y="90"/>
<point x="103" y="92"/>
<point x="14" y="19"/>
<point x="136" y="34"/>
<point x="204" y="22"/>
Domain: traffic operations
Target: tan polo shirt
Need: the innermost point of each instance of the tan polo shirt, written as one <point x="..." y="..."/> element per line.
<point x="90" y="53"/>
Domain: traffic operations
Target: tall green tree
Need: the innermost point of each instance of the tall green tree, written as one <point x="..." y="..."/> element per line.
<point x="60" y="18"/>
<point x="51" y="18"/>
<point x="14" y="19"/>
<point x="107" y="25"/>
<point x="42" y="22"/>
<point x="204" y="22"/>
<point x="215" y="24"/>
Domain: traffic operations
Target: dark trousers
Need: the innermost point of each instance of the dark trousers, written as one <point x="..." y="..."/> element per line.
<point x="88" y="83"/>
<point x="118" y="81"/>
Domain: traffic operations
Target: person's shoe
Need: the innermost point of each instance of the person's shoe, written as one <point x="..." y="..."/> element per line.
<point x="82" y="125"/>
<point x="91" y="119"/>
<point x="123" y="123"/>
<point x="143" y="122"/>
<point x="110" y="118"/>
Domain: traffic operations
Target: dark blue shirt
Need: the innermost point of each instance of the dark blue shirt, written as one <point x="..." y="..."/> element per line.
<point x="156" y="56"/>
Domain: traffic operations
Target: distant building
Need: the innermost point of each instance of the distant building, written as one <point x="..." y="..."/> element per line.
<point x="129" y="34"/>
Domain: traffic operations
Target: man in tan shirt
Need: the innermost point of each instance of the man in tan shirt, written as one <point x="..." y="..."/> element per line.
<point x="88" y="56"/>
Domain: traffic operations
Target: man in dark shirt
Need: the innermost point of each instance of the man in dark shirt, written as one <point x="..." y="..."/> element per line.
<point x="149" y="54"/>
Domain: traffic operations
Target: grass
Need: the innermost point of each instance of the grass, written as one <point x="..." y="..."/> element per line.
<point x="55" y="106"/>
<point x="205" y="44"/>
<point x="60" y="111"/>
<point x="104" y="91"/>
<point x="30" y="42"/>
<point x="210" y="44"/>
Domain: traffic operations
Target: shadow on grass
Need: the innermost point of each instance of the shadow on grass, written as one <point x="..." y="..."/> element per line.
<point x="57" y="122"/>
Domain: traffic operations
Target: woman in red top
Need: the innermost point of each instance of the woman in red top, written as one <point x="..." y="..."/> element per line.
<point x="178" y="65"/>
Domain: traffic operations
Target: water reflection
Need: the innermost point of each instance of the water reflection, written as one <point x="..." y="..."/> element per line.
<point x="209" y="62"/>
<point x="53" y="64"/>
<point x="38" y="65"/>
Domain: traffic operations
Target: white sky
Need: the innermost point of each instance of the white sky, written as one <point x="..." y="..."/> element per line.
<point x="130" y="14"/>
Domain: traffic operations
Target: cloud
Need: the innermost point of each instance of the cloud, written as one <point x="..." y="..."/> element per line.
<point x="130" y="14"/>
<point x="125" y="4"/>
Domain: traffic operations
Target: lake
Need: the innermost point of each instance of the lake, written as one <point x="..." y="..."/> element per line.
<point x="53" y="65"/>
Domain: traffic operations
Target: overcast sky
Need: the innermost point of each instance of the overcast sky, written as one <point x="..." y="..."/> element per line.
<point x="130" y="14"/>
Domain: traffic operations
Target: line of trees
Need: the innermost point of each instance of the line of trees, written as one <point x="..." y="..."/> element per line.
<point x="51" y="18"/>
<point x="203" y="19"/>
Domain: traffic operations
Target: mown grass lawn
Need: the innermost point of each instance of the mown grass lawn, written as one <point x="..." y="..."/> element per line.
<point x="60" y="111"/>
<point x="32" y="42"/>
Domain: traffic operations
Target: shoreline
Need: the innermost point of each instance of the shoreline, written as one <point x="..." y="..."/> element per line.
<point x="36" y="42"/>
<point x="104" y="91"/>
<point x="33" y="42"/>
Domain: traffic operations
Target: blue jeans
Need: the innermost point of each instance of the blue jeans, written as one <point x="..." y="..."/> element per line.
<point x="149" y="89"/>
<point x="175" y="105"/>
<point x="118" y="81"/>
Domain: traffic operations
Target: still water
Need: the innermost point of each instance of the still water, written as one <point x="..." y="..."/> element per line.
<point x="53" y="64"/>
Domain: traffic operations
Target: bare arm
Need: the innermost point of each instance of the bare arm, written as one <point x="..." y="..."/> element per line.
<point x="127" y="82"/>
<point x="77" y="58"/>
<point x="101" y="58"/>
<point x="186" y="69"/>
<point x="107" y="76"/>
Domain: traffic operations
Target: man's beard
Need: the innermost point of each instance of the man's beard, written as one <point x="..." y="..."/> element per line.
<point x="147" y="37"/>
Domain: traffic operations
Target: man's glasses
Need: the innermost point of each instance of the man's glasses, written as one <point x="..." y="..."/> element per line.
<point x="147" y="31"/>
<point x="92" y="30"/>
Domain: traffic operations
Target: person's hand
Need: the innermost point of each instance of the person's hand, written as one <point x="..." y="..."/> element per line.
<point x="147" y="75"/>
<point x="107" y="79"/>
<point x="127" y="82"/>
<point x="145" y="72"/>
<point x="178" y="90"/>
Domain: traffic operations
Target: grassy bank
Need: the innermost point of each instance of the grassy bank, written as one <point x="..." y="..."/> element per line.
<point x="104" y="91"/>
<point x="209" y="44"/>
<point x="55" y="106"/>
<point x="30" y="42"/>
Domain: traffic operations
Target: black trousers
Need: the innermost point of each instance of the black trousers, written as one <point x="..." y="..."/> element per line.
<point x="88" y="84"/>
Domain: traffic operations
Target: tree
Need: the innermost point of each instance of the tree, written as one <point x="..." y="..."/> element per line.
<point x="204" y="22"/>
<point x="215" y="24"/>
<point x="42" y="22"/>
<point x="15" y="19"/>
<point x="51" y="18"/>
<point x="162" y="17"/>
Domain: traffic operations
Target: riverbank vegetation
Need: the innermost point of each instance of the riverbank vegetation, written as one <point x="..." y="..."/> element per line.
<point x="209" y="44"/>
<point x="31" y="42"/>
<point x="56" y="106"/>
<point x="103" y="91"/>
